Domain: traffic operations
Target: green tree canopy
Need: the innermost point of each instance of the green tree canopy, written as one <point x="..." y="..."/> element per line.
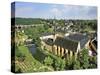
<point x="84" y="59"/>
<point x="48" y="61"/>
<point x="59" y="64"/>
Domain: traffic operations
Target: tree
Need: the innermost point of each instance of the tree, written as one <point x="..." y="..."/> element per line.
<point x="62" y="65"/>
<point x="48" y="61"/>
<point x="37" y="42"/>
<point x="21" y="56"/>
<point x="69" y="64"/>
<point x="73" y="63"/>
<point x="27" y="21"/>
<point x="20" y="38"/>
<point x="93" y="62"/>
<point x="76" y="65"/>
<point x="59" y="64"/>
<point x="46" y="26"/>
<point x="84" y="59"/>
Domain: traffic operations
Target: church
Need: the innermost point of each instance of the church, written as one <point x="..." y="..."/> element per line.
<point x="64" y="46"/>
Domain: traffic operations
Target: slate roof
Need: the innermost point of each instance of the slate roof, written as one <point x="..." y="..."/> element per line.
<point x="63" y="43"/>
<point x="79" y="38"/>
<point x="70" y="42"/>
<point x="66" y="43"/>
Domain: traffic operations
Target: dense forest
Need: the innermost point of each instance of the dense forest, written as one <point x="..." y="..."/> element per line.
<point x="27" y="21"/>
